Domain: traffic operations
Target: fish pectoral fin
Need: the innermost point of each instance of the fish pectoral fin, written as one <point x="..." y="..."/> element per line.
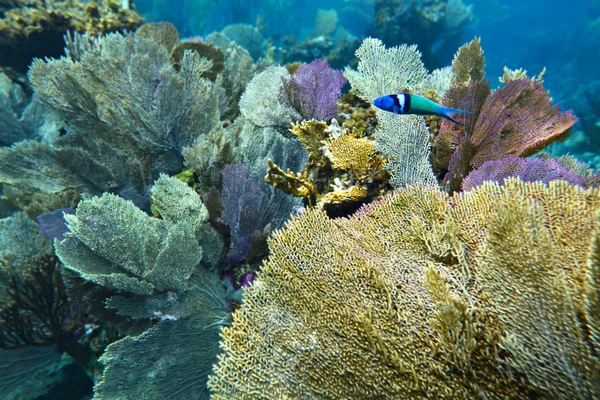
<point x="396" y="109"/>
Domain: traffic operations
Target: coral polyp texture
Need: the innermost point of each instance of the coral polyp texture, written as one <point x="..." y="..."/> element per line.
<point x="151" y="269"/>
<point x="490" y="293"/>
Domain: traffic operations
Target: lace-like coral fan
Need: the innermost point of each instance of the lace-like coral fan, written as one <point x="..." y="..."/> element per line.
<point x="422" y="295"/>
<point x="528" y="169"/>
<point x="314" y="90"/>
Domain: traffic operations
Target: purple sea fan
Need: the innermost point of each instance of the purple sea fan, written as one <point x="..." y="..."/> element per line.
<point x="52" y="224"/>
<point x="528" y="169"/>
<point x="314" y="90"/>
<point x="246" y="209"/>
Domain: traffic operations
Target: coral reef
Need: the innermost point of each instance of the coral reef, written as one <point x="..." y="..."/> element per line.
<point x="248" y="210"/>
<point x="128" y="114"/>
<point x="239" y="70"/>
<point x="528" y="169"/>
<point x="37" y="320"/>
<point x="30" y="29"/>
<point x="424" y="23"/>
<point x="260" y="102"/>
<point x="156" y="189"/>
<point x="247" y="36"/>
<point x="17" y="114"/>
<point x="314" y="90"/>
<point x="339" y="53"/>
<point x="343" y="170"/>
<point x="425" y="295"/>
<point x="402" y="140"/>
<point x="517" y="119"/>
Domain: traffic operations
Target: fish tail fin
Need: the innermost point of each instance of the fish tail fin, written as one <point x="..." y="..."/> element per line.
<point x="446" y="111"/>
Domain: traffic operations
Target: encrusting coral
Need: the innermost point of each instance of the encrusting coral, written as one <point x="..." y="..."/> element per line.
<point x="30" y="29"/>
<point x="420" y="295"/>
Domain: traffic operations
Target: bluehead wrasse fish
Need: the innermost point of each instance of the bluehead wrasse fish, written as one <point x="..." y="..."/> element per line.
<point x="404" y="103"/>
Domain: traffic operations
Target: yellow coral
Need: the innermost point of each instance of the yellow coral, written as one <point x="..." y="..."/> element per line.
<point x="415" y="296"/>
<point x="509" y="75"/>
<point x="468" y="63"/>
<point x="348" y="153"/>
<point x="353" y="194"/>
<point x="310" y="134"/>
<point x="299" y="184"/>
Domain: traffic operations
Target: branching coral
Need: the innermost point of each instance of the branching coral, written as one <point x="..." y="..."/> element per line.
<point x="343" y="170"/>
<point x="422" y="295"/>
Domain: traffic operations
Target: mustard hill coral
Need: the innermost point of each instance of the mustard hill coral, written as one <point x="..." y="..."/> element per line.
<point x="422" y="295"/>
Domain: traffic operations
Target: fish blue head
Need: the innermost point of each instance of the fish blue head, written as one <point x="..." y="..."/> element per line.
<point x="386" y="103"/>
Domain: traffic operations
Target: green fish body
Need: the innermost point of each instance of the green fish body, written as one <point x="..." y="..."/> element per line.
<point x="404" y="103"/>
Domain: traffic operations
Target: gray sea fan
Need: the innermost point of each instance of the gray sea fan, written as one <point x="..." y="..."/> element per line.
<point x="153" y="267"/>
<point x="18" y="113"/>
<point x="171" y="360"/>
<point x="128" y="107"/>
<point x="261" y="103"/>
<point x="404" y="141"/>
<point x="384" y="71"/>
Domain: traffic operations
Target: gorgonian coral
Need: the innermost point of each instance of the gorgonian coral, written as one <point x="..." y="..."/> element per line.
<point x="423" y="295"/>
<point x="517" y="119"/>
<point x="528" y="169"/>
<point x="314" y="90"/>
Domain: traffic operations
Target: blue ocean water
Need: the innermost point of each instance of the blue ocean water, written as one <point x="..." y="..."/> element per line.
<point x="203" y="199"/>
<point x="564" y="39"/>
